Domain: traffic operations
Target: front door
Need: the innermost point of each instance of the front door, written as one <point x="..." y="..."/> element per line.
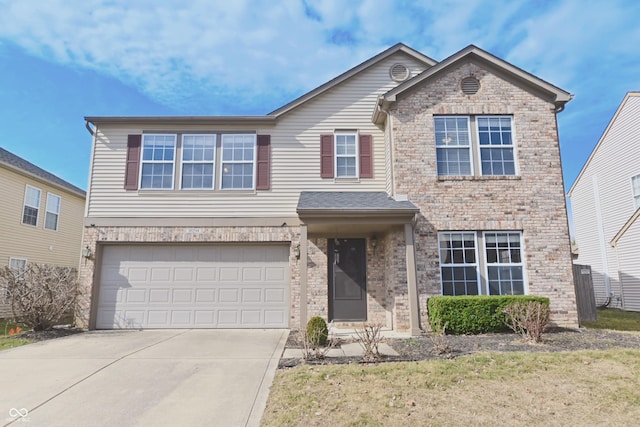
<point x="347" y="280"/>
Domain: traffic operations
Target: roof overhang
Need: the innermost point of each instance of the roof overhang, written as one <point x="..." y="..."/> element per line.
<point x="183" y="120"/>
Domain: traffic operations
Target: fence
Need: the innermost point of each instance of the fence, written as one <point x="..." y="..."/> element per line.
<point x="585" y="298"/>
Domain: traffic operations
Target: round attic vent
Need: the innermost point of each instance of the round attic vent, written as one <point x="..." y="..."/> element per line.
<point x="470" y="85"/>
<point x="399" y="72"/>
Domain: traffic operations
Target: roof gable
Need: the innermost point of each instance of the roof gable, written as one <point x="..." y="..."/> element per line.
<point x="14" y="162"/>
<point x="558" y="96"/>
<point x="603" y="137"/>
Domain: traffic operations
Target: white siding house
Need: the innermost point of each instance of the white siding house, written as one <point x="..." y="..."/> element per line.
<point x="605" y="199"/>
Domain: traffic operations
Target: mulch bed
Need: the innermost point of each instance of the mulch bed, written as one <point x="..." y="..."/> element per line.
<point x="428" y="346"/>
<point x="56" y="332"/>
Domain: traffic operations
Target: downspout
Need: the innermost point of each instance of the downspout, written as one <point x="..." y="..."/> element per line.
<point x="391" y="147"/>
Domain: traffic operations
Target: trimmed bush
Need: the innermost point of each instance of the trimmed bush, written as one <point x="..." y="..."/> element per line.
<point x="317" y="332"/>
<point x="474" y="314"/>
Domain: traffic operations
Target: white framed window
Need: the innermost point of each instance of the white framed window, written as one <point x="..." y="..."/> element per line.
<point x="158" y="161"/>
<point x="31" y="205"/>
<point x="499" y="271"/>
<point x="505" y="272"/>
<point x="453" y="146"/>
<point x="198" y="161"/>
<point x="17" y="264"/>
<point x="458" y="263"/>
<point x="53" y="212"/>
<point x="346" y="158"/>
<point x="238" y="161"/>
<point x="496" y="145"/>
<point x="635" y="189"/>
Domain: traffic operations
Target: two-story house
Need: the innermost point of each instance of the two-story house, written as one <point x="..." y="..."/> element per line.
<point x="40" y="218"/>
<point x="605" y="201"/>
<point x="400" y="179"/>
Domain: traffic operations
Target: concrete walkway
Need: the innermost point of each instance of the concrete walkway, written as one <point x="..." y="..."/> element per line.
<point x="141" y="378"/>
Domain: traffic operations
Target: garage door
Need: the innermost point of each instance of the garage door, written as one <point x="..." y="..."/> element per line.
<point x="230" y="286"/>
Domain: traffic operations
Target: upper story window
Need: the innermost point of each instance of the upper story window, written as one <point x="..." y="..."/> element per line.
<point x="198" y="161"/>
<point x="453" y="146"/>
<point x="496" y="146"/>
<point x="238" y="165"/>
<point x="459" y="137"/>
<point x="158" y="154"/>
<point x="53" y="212"/>
<point x="635" y="187"/>
<point x="346" y="155"/>
<point x="31" y="206"/>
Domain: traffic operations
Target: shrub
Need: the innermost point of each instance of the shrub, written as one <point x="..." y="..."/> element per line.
<point x="317" y="332"/>
<point x="473" y="314"/>
<point x="369" y="337"/>
<point x="529" y="319"/>
<point x="40" y="295"/>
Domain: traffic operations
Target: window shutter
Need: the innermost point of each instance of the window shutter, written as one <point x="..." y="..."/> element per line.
<point x="326" y="156"/>
<point x="263" y="166"/>
<point x="133" y="161"/>
<point x="366" y="156"/>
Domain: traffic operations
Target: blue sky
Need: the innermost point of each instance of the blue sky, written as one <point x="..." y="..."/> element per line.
<point x="62" y="60"/>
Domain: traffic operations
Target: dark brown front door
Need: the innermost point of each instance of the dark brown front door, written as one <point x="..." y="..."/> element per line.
<point x="347" y="279"/>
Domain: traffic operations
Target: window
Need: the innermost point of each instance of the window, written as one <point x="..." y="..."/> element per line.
<point x="458" y="263"/>
<point x="499" y="271"/>
<point x="17" y="264"/>
<point x="238" y="154"/>
<point x="504" y="263"/>
<point x="53" y="212"/>
<point x="158" y="152"/>
<point x="31" y="206"/>
<point x="198" y="161"/>
<point x="490" y="137"/>
<point x="453" y="146"/>
<point x="635" y="187"/>
<point x="346" y="155"/>
<point x="496" y="146"/>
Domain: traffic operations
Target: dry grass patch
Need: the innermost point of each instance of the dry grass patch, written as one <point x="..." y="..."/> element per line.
<point x="577" y="388"/>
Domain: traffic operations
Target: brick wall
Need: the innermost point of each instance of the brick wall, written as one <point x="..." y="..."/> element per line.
<point x="533" y="201"/>
<point x="94" y="235"/>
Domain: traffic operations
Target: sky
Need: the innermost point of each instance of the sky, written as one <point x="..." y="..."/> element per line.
<point x="62" y="60"/>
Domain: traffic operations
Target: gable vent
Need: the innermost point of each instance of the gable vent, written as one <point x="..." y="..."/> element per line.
<point x="399" y="72"/>
<point x="470" y="85"/>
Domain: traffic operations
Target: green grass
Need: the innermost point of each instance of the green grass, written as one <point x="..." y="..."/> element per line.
<point x="8" y="341"/>
<point x="619" y="320"/>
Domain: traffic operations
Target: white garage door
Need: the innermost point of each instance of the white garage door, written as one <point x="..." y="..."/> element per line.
<point x="197" y="286"/>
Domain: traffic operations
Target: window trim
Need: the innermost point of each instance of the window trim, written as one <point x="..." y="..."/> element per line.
<point x="183" y="162"/>
<point x="24" y="204"/>
<point x="173" y="163"/>
<point x="355" y="156"/>
<point x="56" y="213"/>
<point x="482" y="265"/>
<point x="525" y="288"/>
<point x="516" y="171"/>
<point x="12" y="258"/>
<point x="635" y="198"/>
<point x="222" y="161"/>
<point x="476" y="265"/>
<point x="469" y="147"/>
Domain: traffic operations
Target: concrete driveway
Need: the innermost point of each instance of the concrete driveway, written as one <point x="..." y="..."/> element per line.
<point x="141" y="378"/>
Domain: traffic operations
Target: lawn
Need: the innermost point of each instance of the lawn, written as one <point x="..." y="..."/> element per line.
<point x="619" y="320"/>
<point x="518" y="388"/>
<point x="6" y="340"/>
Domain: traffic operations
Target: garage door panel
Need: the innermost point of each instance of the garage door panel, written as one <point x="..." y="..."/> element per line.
<point x="231" y="286"/>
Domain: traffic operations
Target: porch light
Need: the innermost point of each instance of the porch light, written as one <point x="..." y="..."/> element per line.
<point x="86" y="252"/>
<point x="296" y="251"/>
<point x="374" y="243"/>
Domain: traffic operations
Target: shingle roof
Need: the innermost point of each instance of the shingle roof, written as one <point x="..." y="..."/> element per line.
<point x="352" y="201"/>
<point x="19" y="163"/>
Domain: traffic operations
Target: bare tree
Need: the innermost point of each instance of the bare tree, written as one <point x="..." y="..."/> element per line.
<point x="40" y="295"/>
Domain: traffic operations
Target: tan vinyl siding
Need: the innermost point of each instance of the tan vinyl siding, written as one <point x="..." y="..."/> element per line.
<point x="295" y="155"/>
<point x="615" y="161"/>
<point x="37" y="244"/>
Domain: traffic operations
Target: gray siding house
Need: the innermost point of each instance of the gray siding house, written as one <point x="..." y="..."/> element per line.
<point x="400" y="179"/>
<point x="605" y="200"/>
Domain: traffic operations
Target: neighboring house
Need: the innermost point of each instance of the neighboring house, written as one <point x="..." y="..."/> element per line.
<point x="605" y="201"/>
<point x="41" y="217"/>
<point x="400" y="179"/>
